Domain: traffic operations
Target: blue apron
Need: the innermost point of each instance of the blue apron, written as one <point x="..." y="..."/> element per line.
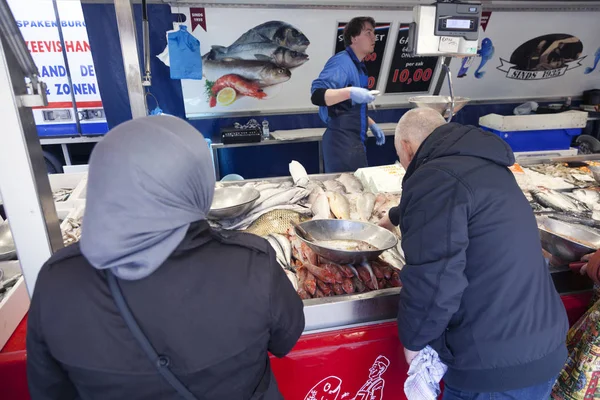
<point x="343" y="142"/>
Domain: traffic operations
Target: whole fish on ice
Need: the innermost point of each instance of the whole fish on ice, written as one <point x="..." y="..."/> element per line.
<point x="298" y="173"/>
<point x="351" y="183"/>
<point x="365" y="205"/>
<point x="271" y="52"/>
<point x="339" y="205"/>
<point x="334" y="186"/>
<point x="262" y="72"/>
<point x="278" y="32"/>
<point x="320" y="208"/>
<point x="275" y="221"/>
<point x="587" y="196"/>
<point x="558" y="201"/>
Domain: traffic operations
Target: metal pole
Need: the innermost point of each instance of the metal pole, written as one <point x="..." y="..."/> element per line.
<point x="131" y="59"/>
<point x="23" y="178"/>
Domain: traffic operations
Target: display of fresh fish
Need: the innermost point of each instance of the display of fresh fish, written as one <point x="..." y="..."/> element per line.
<point x="325" y="288"/>
<point x="277" y="220"/>
<point x="306" y="280"/>
<point x="266" y="185"/>
<point x="572" y="219"/>
<point x="339" y="205"/>
<point x="285" y="245"/>
<point x="303" y="294"/>
<point x="309" y="255"/>
<point x="351" y="183"/>
<point x="319" y="294"/>
<point x="320" y="208"/>
<point x="298" y="173"/>
<point x="293" y="278"/>
<point x="334" y="186"/>
<point x="262" y="72"/>
<point x="378" y="271"/>
<point x="320" y="273"/>
<point x="278" y="32"/>
<point x="337" y="273"/>
<point x="587" y="196"/>
<point x="384" y="267"/>
<point x="395" y="281"/>
<point x="240" y="85"/>
<point x="383" y="203"/>
<point x="346" y="271"/>
<point x="365" y="205"/>
<point x="557" y="201"/>
<point x="373" y="282"/>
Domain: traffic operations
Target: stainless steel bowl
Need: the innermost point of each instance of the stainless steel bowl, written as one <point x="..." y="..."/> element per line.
<point x="337" y="229"/>
<point x="565" y="241"/>
<point x="7" y="245"/>
<point x="439" y="103"/>
<point x="231" y="202"/>
<point x="595" y="172"/>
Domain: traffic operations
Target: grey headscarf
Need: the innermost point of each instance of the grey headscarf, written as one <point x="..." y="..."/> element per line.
<point x="149" y="178"/>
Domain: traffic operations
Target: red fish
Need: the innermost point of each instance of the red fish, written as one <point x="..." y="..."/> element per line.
<point x="348" y="286"/>
<point x="359" y="285"/>
<point x="346" y="271"/>
<point x="303" y="294"/>
<point x="327" y="291"/>
<point x="338" y="288"/>
<point x="306" y="280"/>
<point x="335" y="271"/>
<point x="321" y="273"/>
<point x="378" y="271"/>
<point x="395" y="281"/>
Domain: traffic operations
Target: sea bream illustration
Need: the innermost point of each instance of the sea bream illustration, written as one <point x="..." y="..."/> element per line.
<point x="261" y="72"/>
<point x="272" y="52"/>
<point x="278" y="32"/>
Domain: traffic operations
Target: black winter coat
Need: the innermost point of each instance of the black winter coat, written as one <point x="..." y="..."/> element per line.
<point x="476" y="286"/>
<point x="215" y="307"/>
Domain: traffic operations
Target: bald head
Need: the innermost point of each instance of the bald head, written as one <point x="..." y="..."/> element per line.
<point x="412" y="130"/>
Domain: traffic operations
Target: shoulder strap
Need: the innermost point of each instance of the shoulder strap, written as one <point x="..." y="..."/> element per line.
<point x="160" y="362"/>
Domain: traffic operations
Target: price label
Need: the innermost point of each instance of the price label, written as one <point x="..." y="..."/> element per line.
<point x="409" y="74"/>
<point x="448" y="44"/>
<point x="372" y="61"/>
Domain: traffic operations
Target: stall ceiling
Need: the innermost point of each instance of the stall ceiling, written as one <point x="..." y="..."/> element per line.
<point x="492" y="5"/>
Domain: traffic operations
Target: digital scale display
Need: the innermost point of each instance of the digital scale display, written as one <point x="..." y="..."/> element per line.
<point x="458" y="24"/>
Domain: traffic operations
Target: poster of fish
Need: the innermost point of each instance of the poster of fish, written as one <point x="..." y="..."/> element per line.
<point x="255" y="65"/>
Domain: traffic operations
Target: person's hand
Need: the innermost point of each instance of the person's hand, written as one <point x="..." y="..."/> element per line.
<point x="410" y="355"/>
<point x="592" y="268"/>
<point x="378" y="133"/>
<point x="360" y="95"/>
<point x="386" y="223"/>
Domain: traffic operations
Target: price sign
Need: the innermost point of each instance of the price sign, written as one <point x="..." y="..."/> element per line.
<point x="409" y="74"/>
<point x="372" y="61"/>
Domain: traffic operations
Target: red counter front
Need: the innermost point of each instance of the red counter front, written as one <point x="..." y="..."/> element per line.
<point x="359" y="363"/>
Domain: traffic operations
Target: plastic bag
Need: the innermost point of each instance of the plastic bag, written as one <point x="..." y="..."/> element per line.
<point x="184" y="55"/>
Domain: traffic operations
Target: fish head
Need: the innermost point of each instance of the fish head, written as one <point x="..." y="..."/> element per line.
<point x="291" y="37"/>
<point x="289" y="58"/>
<point x="273" y="75"/>
<point x="328" y="389"/>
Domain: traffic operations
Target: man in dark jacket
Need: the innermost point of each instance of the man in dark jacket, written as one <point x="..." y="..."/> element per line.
<point x="212" y="304"/>
<point x="475" y="286"/>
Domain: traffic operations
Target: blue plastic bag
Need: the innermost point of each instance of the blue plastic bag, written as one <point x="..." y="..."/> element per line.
<point x="184" y="55"/>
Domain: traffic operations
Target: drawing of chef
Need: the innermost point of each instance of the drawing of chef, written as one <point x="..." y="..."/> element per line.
<point x="373" y="388"/>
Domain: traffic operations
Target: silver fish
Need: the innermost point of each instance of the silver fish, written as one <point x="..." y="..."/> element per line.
<point x="278" y="250"/>
<point x="389" y="258"/>
<point x="293" y="278"/>
<point x="277" y="32"/>
<point x="271" y="52"/>
<point x="286" y="247"/>
<point x="558" y="201"/>
<point x="298" y="173"/>
<point x="351" y="183"/>
<point x="364" y="206"/>
<point x="265" y="73"/>
<point x="373" y="278"/>
<point x="316" y="190"/>
<point x="334" y="186"/>
<point x="589" y="197"/>
<point x="320" y="208"/>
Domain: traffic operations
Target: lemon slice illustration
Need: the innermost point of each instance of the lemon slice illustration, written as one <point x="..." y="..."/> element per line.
<point x="226" y="96"/>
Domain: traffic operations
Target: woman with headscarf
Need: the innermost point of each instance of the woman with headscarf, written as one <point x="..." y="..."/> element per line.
<point x="209" y="304"/>
<point x="579" y="378"/>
